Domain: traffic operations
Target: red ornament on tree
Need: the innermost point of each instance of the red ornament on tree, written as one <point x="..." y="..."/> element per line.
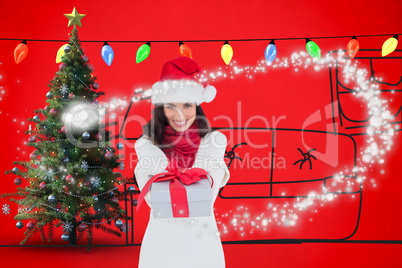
<point x="53" y="111"/>
<point x="64" y="129"/>
<point x="95" y="85"/>
<point x="108" y="155"/>
<point x="17" y="181"/>
<point x="30" y="225"/>
<point x="71" y="96"/>
<point x="62" y="66"/>
<point x="69" y="179"/>
<point x="33" y="155"/>
<point x="82" y="227"/>
<point x="42" y="185"/>
<point x="98" y="137"/>
<point x="32" y="139"/>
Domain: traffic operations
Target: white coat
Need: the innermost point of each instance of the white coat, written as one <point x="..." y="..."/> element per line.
<point x="182" y="242"/>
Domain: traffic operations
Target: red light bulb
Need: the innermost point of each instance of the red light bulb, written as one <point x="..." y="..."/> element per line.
<point x="352" y="47"/>
<point x="20" y="52"/>
<point x="185" y="50"/>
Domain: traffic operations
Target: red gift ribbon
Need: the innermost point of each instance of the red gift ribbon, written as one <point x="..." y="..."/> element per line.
<point x="178" y="194"/>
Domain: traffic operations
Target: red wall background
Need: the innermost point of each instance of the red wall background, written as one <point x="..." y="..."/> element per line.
<point x="280" y="92"/>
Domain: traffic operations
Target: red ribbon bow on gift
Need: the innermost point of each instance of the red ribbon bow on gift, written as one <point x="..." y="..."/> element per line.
<point x="178" y="194"/>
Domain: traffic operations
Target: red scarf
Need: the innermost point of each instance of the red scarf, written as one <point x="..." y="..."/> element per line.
<point x="185" y="145"/>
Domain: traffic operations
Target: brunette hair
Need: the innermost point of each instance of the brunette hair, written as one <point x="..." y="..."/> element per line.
<point x="155" y="128"/>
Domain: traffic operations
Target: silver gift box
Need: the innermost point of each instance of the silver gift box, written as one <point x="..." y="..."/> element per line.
<point x="199" y="197"/>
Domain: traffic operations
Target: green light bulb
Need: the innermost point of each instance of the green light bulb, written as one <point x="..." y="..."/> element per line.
<point x="313" y="49"/>
<point x="143" y="52"/>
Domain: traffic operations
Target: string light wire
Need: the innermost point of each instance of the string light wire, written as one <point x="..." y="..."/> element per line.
<point x="202" y="40"/>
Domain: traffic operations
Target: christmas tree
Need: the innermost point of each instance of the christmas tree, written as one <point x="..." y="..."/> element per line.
<point x="70" y="174"/>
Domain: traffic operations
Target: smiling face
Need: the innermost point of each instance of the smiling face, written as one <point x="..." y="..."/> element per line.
<point x="180" y="115"/>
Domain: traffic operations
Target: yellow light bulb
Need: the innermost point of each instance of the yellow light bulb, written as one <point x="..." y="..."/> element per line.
<point x="227" y="53"/>
<point x="389" y="46"/>
<point x="60" y="53"/>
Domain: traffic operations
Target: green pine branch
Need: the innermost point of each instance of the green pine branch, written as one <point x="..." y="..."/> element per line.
<point x="42" y="233"/>
<point x="107" y="230"/>
<point x="28" y="234"/>
<point x="89" y="234"/>
<point x="80" y="235"/>
<point x="50" y="230"/>
<point x="19" y="193"/>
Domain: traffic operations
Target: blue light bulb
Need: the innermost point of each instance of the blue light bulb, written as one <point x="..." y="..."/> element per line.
<point x="270" y="52"/>
<point x="107" y="53"/>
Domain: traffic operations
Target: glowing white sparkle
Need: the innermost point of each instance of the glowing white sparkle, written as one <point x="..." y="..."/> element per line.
<point x="330" y="197"/>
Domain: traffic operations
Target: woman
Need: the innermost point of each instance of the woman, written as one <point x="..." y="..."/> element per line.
<point x="180" y="131"/>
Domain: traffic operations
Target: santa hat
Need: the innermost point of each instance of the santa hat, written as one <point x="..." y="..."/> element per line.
<point x="177" y="84"/>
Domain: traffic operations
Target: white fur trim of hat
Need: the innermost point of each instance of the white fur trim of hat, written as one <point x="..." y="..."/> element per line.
<point x="181" y="91"/>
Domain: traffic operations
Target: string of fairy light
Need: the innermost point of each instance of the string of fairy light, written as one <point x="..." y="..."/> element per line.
<point x="107" y="52"/>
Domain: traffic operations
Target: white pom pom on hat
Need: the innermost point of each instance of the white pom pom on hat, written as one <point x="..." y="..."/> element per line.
<point x="177" y="84"/>
<point x="209" y="93"/>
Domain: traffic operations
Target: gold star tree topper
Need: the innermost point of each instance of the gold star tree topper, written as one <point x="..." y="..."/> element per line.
<point x="74" y="18"/>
